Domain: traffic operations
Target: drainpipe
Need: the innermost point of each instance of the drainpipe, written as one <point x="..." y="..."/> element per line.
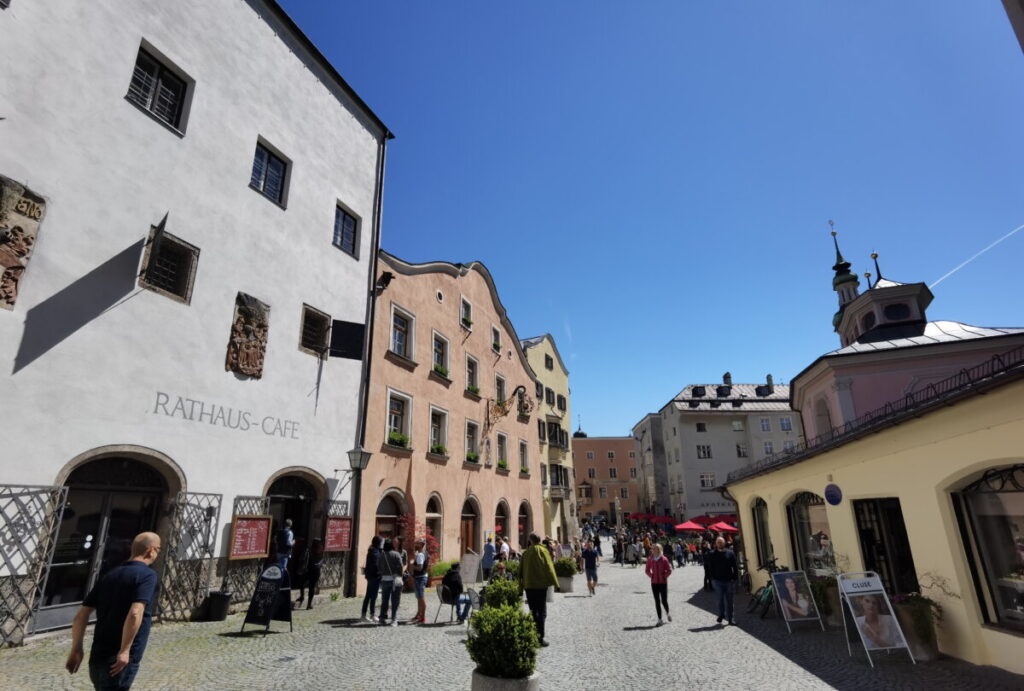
<point x="364" y="384"/>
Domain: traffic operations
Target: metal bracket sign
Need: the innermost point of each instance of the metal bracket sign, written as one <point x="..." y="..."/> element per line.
<point x="869" y="606"/>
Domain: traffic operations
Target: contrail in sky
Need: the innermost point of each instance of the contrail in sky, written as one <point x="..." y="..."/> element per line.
<point x="975" y="257"/>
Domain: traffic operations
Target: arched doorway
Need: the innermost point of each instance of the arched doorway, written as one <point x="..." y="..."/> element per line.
<point x="110" y="501"/>
<point x="469" y="528"/>
<point x="501" y="519"/>
<point x="525" y="525"/>
<point x="388" y="512"/>
<point x="811" y="535"/>
<point x="435" y="522"/>
<point x="292" y="496"/>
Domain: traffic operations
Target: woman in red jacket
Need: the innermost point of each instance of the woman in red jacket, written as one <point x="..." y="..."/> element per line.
<point x="659" y="568"/>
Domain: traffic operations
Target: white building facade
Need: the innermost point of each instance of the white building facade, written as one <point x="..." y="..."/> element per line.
<point x="190" y="220"/>
<point x="709" y="430"/>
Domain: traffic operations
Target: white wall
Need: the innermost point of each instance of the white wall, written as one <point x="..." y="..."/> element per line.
<point x="108" y="172"/>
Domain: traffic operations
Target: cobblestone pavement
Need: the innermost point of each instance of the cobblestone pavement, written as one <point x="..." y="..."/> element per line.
<point x="605" y="642"/>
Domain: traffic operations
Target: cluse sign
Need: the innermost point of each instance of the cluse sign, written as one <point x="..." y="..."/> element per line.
<point x="212" y="414"/>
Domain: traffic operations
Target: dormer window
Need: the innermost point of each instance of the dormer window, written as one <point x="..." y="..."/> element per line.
<point x="698" y="392"/>
<point x="897" y="312"/>
<point x="724" y="391"/>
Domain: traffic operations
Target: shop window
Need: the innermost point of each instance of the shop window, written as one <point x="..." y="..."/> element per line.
<point x="991" y="511"/>
<point x="811" y="535"/>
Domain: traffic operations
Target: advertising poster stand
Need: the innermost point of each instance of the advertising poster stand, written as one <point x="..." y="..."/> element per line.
<point x="863" y="595"/>
<point x="271" y="599"/>
<point x="797" y="603"/>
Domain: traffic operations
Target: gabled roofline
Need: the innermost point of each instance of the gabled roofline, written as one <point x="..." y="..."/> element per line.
<point x="554" y="347"/>
<point x="321" y="61"/>
<point x="458" y="271"/>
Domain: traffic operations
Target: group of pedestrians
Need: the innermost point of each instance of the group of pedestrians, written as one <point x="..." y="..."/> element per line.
<point x="386" y="568"/>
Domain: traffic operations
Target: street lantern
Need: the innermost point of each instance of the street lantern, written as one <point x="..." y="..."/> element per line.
<point x="359" y="458"/>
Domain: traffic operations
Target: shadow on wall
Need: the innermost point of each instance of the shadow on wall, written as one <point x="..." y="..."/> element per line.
<point x="64" y="313"/>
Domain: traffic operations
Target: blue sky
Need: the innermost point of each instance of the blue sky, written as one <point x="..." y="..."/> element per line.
<point x="651" y="182"/>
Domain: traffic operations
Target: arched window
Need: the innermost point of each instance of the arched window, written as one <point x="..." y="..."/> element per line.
<point x="388" y="513"/>
<point x="762" y="540"/>
<point x="525" y="524"/>
<point x="501" y="519"/>
<point x="811" y="535"/>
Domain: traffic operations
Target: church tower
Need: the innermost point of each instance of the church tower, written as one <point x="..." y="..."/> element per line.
<point x="845" y="283"/>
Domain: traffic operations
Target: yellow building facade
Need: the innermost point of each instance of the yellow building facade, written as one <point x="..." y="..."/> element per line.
<point x="554" y="422"/>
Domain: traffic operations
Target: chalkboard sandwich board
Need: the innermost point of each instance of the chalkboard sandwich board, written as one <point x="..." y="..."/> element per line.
<point x="271" y="600"/>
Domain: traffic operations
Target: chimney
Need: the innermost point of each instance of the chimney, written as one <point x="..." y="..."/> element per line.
<point x="771" y="384"/>
<point x="727" y="379"/>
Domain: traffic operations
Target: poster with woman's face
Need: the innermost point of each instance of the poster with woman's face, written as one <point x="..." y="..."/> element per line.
<point x="794" y="595"/>
<point x="875" y="622"/>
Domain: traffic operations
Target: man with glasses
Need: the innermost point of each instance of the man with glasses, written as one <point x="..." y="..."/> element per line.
<point x="123" y="601"/>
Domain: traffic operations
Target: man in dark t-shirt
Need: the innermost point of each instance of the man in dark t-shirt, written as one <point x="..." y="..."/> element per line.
<point x="590" y="558"/>
<point x="123" y="601"/>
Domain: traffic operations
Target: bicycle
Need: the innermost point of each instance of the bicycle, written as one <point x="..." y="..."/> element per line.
<point x="764" y="598"/>
<point x="745" y="576"/>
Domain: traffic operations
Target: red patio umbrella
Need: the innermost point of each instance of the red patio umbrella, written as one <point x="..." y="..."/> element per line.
<point x="724" y="527"/>
<point x="663" y="519"/>
<point x="704" y="520"/>
<point x="690" y="525"/>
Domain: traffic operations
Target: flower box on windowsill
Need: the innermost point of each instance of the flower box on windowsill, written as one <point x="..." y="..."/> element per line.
<point x="394" y="450"/>
<point x="474" y="395"/>
<point x="473" y="465"/>
<point x="438" y="377"/>
<point x="437" y="457"/>
<point x="502" y="471"/>
<point x="524" y="472"/>
<point x="467" y="324"/>
<point x="401" y="360"/>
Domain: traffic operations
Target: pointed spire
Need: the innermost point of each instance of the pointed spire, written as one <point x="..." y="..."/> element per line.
<point x="867" y="275"/>
<point x="878" y="271"/>
<point x="839" y="255"/>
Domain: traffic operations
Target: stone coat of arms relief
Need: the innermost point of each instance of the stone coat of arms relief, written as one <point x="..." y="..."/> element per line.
<point x="21" y="212"/>
<point x="248" y="344"/>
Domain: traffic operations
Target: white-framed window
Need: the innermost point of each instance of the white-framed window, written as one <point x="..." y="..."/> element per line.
<point x="703" y="451"/>
<point x="524" y="455"/>
<point x="738" y="426"/>
<point x="590" y="455"/>
<point x="159" y="89"/>
<point x="440" y="354"/>
<point x="786" y="424"/>
<point x="602" y="492"/>
<point x="766" y="424"/>
<point x="702" y="427"/>
<point x="502" y="448"/>
<point x="632" y="473"/>
<point x="789" y="445"/>
<point x="741" y="451"/>
<point x="499" y="387"/>
<point x="472" y="368"/>
<point x="613" y="473"/>
<point x="346" y="231"/>
<point x="269" y="173"/>
<point x="472" y="440"/>
<point x="611" y="454"/>
<point x="496" y="339"/>
<point x="592" y="473"/>
<point x="438" y="430"/>
<point x="466" y="314"/>
<point x="402" y="325"/>
<point x="399" y="418"/>
<point x="769" y="449"/>
<point x="707" y="480"/>
<point x="624" y="492"/>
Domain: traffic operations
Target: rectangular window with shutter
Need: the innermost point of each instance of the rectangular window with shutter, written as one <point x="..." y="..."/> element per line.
<point x="346" y="231"/>
<point x="269" y="174"/>
<point x="157" y="90"/>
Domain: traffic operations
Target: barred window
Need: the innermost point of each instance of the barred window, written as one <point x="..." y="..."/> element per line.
<point x="315" y="327"/>
<point x="170" y="265"/>
<point x="156" y="89"/>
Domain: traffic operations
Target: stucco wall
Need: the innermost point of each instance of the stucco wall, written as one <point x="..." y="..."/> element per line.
<point x="87" y="351"/>
<point x="920" y="462"/>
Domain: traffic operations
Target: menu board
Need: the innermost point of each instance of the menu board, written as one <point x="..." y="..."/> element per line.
<point x="250" y="537"/>
<point x="338" y="536"/>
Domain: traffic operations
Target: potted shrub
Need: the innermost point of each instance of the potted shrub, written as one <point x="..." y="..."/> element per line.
<point x="441" y="370"/>
<point x="918" y="616"/>
<point x="437" y="572"/>
<point x="439" y="449"/>
<point x="475" y="390"/>
<point x="398" y="439"/>
<point x="472" y="457"/>
<point x="500" y="593"/>
<point x="503" y="643"/>
<point x="503" y="464"/>
<point x="565" y="569"/>
<point x="512" y="568"/>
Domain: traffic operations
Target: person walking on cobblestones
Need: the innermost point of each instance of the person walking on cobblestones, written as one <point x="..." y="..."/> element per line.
<point x="487" y="561"/>
<point x="537" y="571"/>
<point x="391" y="566"/>
<point x="285" y="542"/>
<point x="421" y="573"/>
<point x="659" y="568"/>
<point x="724" y="571"/>
<point x="590" y="561"/>
<point x="372" y="574"/>
<point x="123" y="602"/>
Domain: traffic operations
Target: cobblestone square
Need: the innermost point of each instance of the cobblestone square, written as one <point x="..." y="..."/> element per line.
<point x="609" y="641"/>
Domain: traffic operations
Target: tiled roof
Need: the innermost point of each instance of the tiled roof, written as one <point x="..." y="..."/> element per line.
<point x="912" y="335"/>
<point x="737" y="397"/>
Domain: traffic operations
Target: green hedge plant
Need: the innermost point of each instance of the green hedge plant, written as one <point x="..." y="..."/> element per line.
<point x="512" y="568"/>
<point x="440" y="568"/>
<point x="565" y="567"/>
<point x="502" y="593"/>
<point x="503" y="642"/>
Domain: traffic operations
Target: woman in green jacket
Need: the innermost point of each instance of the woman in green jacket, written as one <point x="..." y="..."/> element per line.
<point x="537" y="571"/>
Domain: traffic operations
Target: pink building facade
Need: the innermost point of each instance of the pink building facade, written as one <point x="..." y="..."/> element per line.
<point x="451" y="417"/>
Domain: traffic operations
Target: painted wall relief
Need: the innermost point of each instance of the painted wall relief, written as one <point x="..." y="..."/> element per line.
<point x="248" y="344"/>
<point x="21" y="212"/>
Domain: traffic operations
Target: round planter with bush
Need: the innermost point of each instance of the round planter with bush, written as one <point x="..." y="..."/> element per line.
<point x="503" y="643"/>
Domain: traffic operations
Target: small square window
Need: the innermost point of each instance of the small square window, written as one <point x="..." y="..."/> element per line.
<point x="702" y="427"/>
<point x="602" y="492"/>
<point x="611" y="454"/>
<point x="741" y="451"/>
<point x="737" y="426"/>
<point x="157" y="90"/>
<point x="592" y="473"/>
<point x="766" y="424"/>
<point x="590" y="454"/>
<point x="269" y="174"/>
<point x="346" y="231"/>
<point x="315" y="328"/>
<point x="769" y="449"/>
<point x="169" y="265"/>
<point x="632" y="454"/>
<point x="786" y="424"/>
<point x="703" y="451"/>
<point x="789" y="446"/>
<point x="707" y="480"/>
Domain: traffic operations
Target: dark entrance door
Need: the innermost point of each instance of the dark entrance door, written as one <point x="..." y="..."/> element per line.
<point x="884" y="544"/>
<point x="110" y="501"/>
<point x="469" y="528"/>
<point x="292" y="497"/>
